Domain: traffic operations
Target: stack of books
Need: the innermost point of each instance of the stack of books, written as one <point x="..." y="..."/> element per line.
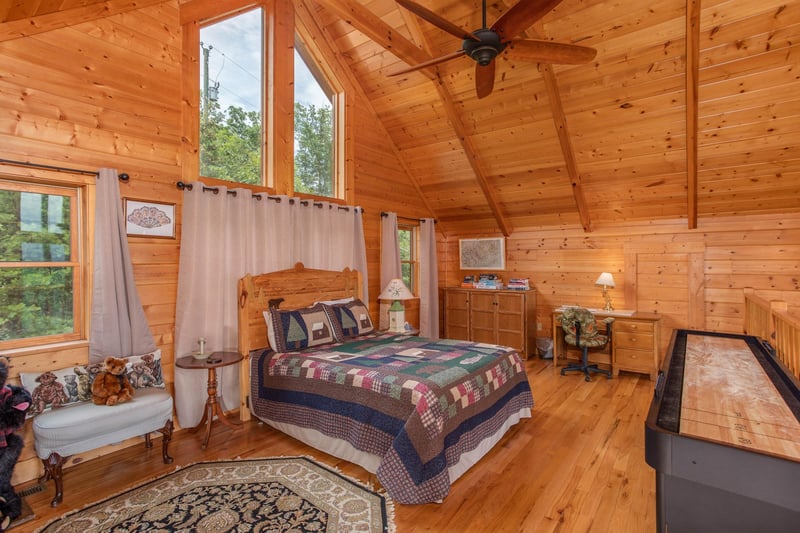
<point x="519" y="284"/>
<point x="489" y="281"/>
<point x="468" y="282"/>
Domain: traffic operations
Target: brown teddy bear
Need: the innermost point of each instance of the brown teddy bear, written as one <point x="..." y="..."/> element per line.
<point x="111" y="386"/>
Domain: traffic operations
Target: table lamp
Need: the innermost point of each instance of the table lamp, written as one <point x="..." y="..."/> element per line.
<point x="606" y="280"/>
<point x="397" y="291"/>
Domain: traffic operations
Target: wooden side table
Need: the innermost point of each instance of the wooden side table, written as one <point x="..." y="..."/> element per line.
<point x="215" y="360"/>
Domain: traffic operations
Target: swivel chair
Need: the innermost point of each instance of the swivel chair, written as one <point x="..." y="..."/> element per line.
<point x="580" y="330"/>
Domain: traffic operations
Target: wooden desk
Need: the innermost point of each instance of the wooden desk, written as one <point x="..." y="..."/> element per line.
<point x="212" y="408"/>
<point x="634" y="347"/>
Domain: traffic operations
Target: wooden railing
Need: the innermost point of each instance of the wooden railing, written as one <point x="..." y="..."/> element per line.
<point x="771" y="321"/>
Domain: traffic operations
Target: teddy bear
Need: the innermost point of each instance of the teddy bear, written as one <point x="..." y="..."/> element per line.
<point x="14" y="404"/>
<point x="86" y="375"/>
<point x="111" y="386"/>
<point x="49" y="392"/>
<point x="141" y="375"/>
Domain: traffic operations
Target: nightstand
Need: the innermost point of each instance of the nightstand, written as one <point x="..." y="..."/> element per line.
<point x="214" y="361"/>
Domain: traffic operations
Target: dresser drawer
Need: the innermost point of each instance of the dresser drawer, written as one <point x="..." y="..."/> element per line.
<point x="631" y="326"/>
<point x="634" y="341"/>
<point x="634" y="360"/>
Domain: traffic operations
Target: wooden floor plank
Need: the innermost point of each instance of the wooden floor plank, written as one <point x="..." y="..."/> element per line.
<point x="576" y="466"/>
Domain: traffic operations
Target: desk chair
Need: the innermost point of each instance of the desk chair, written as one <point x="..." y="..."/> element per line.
<point x="580" y="330"/>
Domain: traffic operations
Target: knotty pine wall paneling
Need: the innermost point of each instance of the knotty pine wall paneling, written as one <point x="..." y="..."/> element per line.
<point x="104" y="93"/>
<point x="693" y="278"/>
<point x="112" y="98"/>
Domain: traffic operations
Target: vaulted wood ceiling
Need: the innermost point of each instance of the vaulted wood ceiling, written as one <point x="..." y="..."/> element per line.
<point x="646" y="131"/>
<point x="608" y="141"/>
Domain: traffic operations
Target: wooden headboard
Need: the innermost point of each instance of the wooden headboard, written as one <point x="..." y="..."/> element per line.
<point x="295" y="288"/>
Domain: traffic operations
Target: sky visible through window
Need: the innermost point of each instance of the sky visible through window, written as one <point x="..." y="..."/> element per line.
<point x="234" y="64"/>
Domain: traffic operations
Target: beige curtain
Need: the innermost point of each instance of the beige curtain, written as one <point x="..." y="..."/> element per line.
<point x="390" y="261"/>
<point x="428" y="280"/>
<point x="226" y="236"/>
<point x="119" y="326"/>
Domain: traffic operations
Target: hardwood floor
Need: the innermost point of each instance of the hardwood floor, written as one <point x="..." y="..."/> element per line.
<point x="576" y="466"/>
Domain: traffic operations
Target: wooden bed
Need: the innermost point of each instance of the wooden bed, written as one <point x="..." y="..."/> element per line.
<point x="416" y="412"/>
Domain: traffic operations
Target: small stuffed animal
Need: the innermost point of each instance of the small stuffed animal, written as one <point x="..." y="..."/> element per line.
<point x="112" y="386"/>
<point x="14" y="403"/>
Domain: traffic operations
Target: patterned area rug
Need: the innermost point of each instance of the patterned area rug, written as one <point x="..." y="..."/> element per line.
<point x="288" y="494"/>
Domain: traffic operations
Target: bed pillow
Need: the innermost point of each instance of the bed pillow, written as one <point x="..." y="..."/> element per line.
<point x="289" y="331"/>
<point x="56" y="388"/>
<point x="349" y="319"/>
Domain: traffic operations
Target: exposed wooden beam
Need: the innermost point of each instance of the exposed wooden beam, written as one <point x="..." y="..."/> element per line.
<point x="208" y="10"/>
<point x="382" y="34"/>
<point x="470" y="150"/>
<point x="560" y="120"/>
<point x="69" y="17"/>
<point x="280" y="115"/>
<point x="692" y="98"/>
<point x="378" y="31"/>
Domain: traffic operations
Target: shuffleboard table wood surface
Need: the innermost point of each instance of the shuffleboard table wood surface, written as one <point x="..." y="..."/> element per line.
<point x="729" y="398"/>
<point x="723" y="435"/>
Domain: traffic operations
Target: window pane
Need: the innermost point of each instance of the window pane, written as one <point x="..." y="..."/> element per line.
<point x="313" y="128"/>
<point x="404" y="239"/>
<point x="408" y="275"/>
<point x="35" y="302"/>
<point x="231" y="88"/>
<point x="37" y="294"/>
<point x="34" y="227"/>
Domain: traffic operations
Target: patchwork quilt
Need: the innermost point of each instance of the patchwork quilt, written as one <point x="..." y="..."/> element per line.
<point x="417" y="403"/>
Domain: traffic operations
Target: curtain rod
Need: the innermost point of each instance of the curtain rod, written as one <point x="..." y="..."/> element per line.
<point x="122" y="177"/>
<point x="258" y="196"/>
<point x="385" y="214"/>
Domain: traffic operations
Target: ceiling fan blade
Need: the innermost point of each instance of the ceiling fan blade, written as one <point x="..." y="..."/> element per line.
<point x="484" y="79"/>
<point x="429" y="63"/>
<point x="520" y="17"/>
<point x="550" y="52"/>
<point x="436" y="20"/>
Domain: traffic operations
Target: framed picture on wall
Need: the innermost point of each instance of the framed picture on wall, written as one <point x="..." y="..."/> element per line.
<point x="149" y="219"/>
<point x="482" y="254"/>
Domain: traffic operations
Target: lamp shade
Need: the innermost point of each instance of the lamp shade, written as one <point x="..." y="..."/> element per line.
<point x="396" y="290"/>
<point x="605" y="279"/>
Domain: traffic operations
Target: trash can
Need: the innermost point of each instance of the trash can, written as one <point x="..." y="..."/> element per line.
<point x="544" y="345"/>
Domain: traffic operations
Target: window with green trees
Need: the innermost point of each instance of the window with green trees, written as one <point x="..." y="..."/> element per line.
<point x="232" y="108"/>
<point x="40" y="271"/>
<point x="313" y="126"/>
<point x="409" y="265"/>
<point x="231" y="101"/>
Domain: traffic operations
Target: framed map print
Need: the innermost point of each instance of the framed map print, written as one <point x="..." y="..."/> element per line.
<point x="149" y="219"/>
<point x="482" y="254"/>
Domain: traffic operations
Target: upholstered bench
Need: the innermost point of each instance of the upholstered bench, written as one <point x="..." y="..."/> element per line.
<point x="72" y="427"/>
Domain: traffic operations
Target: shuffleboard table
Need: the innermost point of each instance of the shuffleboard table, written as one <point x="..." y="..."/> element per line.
<point x="723" y="434"/>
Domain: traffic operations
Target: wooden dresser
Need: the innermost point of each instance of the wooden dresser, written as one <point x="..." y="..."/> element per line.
<point x="503" y="317"/>
<point x="635" y="344"/>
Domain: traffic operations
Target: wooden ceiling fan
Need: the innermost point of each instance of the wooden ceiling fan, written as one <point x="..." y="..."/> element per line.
<point x="484" y="44"/>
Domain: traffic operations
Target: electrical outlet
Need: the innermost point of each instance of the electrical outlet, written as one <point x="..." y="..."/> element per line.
<point x="538" y="326"/>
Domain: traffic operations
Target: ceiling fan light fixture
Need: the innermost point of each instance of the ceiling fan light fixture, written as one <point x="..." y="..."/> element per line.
<point x="485" y="50"/>
<point x="484" y="55"/>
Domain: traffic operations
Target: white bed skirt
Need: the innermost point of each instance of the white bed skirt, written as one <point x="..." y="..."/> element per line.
<point x="344" y="450"/>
